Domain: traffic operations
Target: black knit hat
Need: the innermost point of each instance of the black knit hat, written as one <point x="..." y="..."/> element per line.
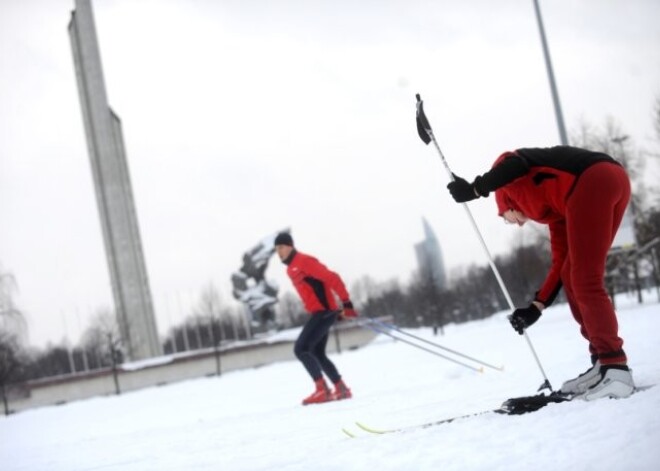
<point x="284" y="238"/>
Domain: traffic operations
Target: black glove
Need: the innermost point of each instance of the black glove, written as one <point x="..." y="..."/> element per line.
<point x="461" y="190"/>
<point x="348" y="312"/>
<point x="524" y="317"/>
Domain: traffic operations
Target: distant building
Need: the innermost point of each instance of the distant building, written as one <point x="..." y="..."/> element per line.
<point x="429" y="258"/>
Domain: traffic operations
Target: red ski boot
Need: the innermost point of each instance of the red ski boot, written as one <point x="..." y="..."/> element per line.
<point x="322" y="394"/>
<point x="341" y="391"/>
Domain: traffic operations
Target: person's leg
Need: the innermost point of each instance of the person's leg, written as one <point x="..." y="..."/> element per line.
<point x="575" y="307"/>
<point x="313" y="337"/>
<point x="312" y="340"/>
<point x="327" y="366"/>
<point x="304" y="345"/>
<point x="591" y="376"/>
<point x="341" y="391"/>
<point x="594" y="212"/>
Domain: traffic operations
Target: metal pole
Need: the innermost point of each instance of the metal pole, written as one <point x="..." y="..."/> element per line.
<point x="656" y="272"/>
<point x="113" y="357"/>
<point x="216" y="344"/>
<point x="69" y="350"/>
<point x="551" y="77"/>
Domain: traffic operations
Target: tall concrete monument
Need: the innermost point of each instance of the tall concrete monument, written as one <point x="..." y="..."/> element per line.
<point x="114" y="196"/>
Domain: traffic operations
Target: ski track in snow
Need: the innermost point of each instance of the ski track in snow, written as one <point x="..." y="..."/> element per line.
<point x="252" y="420"/>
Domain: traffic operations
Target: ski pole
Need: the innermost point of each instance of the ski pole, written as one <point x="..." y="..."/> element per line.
<point x="382" y="330"/>
<point x="426" y="134"/>
<point x="401" y="331"/>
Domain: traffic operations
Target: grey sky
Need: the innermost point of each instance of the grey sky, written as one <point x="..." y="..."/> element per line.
<point x="241" y="118"/>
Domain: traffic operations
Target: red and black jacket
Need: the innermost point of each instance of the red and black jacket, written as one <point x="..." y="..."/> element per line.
<point x="315" y="283"/>
<point x="538" y="182"/>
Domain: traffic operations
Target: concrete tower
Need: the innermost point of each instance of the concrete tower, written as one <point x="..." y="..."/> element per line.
<point x="429" y="257"/>
<point x="114" y="196"/>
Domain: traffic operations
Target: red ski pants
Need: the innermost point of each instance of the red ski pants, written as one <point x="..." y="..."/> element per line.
<point x="593" y="214"/>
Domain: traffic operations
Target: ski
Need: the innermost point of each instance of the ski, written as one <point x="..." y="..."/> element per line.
<point x="513" y="406"/>
<point x="348" y="432"/>
<point x="375" y="431"/>
<point x="434" y="423"/>
<point x="519" y="405"/>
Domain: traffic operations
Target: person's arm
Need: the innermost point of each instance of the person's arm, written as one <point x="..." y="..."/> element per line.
<point x="509" y="169"/>
<point x="524" y="317"/>
<point x="559" y="246"/>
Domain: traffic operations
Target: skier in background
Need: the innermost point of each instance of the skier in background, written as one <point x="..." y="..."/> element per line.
<point x="316" y="286"/>
<point x="581" y="195"/>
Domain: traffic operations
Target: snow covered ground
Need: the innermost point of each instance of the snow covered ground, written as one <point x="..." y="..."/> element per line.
<point x="252" y="420"/>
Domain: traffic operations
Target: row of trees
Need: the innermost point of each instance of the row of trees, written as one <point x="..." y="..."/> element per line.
<point x="210" y="323"/>
<point x="473" y="294"/>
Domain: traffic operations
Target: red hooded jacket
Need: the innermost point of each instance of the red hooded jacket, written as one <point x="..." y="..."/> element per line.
<point x="538" y="183"/>
<point x="315" y="283"/>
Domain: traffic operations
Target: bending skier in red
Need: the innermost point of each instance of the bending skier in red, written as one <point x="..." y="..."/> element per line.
<point x="316" y="286"/>
<point x="581" y="195"/>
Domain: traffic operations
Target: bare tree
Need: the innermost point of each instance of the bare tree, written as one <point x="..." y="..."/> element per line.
<point x="11" y="318"/>
<point x="364" y="289"/>
<point x="12" y="329"/>
<point x="290" y="310"/>
<point x="10" y="362"/>
<point x="101" y="339"/>
<point x="207" y="313"/>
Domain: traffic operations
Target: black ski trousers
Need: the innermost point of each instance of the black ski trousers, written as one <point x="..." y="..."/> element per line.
<point x="311" y="343"/>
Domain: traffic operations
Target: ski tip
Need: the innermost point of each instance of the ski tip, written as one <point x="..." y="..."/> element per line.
<point x="481" y="370"/>
<point x="348" y="433"/>
<point x="371" y="430"/>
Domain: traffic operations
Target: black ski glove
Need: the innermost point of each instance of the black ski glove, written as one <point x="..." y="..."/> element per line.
<point x="348" y="312"/>
<point x="524" y="317"/>
<point x="461" y="190"/>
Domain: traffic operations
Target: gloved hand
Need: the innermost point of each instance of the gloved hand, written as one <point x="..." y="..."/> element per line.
<point x="348" y="312"/>
<point x="461" y="190"/>
<point x="524" y="317"/>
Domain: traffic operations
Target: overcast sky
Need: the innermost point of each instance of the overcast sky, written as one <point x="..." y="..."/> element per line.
<point x="244" y="117"/>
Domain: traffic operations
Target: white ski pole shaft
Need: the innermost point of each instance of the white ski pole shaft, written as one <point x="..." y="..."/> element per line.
<point x="423" y="122"/>
<point x="436" y="345"/>
<point x="493" y="267"/>
<point x="383" y="330"/>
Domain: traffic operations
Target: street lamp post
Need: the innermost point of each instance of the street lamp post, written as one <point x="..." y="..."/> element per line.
<point x="551" y="77"/>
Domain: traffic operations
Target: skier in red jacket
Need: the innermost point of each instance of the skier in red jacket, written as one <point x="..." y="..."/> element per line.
<point x="581" y="195"/>
<point x="317" y="287"/>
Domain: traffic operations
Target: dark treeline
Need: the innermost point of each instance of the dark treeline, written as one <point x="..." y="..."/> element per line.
<point x="473" y="295"/>
<point x="101" y="348"/>
<point x="476" y="293"/>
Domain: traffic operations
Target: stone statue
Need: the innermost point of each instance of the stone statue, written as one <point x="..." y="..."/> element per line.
<point x="251" y="287"/>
